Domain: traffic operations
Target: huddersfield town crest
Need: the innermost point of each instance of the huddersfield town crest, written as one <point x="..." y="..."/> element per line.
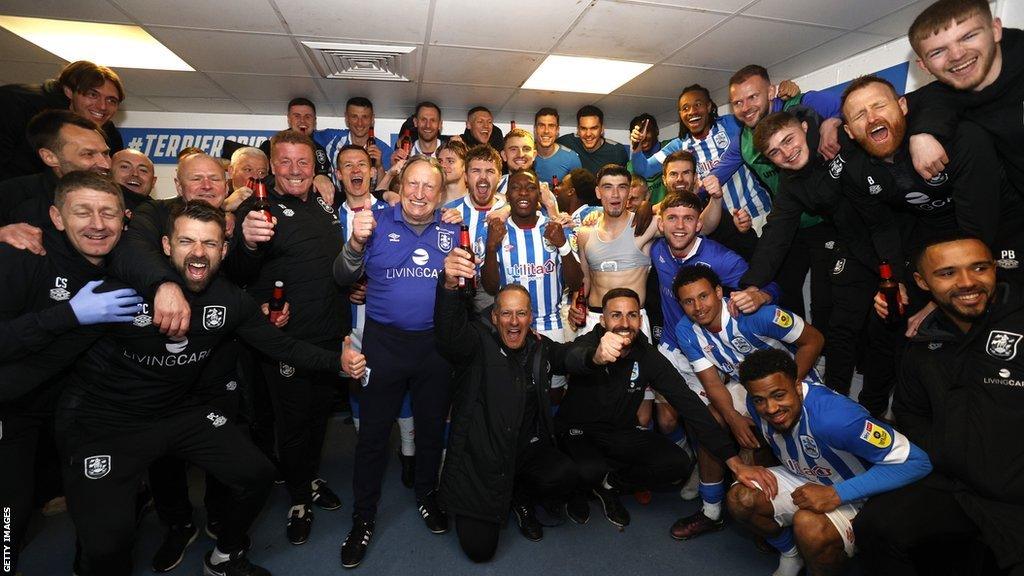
<point x="742" y="346"/>
<point x="721" y="140"/>
<point x="213" y="317"/>
<point x="810" y="446"/>
<point x="444" y="240"/>
<point x="97" y="467"/>
<point x="1002" y="344"/>
<point x="286" y="370"/>
<point x="835" y="168"/>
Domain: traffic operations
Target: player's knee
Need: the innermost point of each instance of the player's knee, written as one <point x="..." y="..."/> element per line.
<point x="814" y="532"/>
<point x="741" y="500"/>
<point x="592" y="472"/>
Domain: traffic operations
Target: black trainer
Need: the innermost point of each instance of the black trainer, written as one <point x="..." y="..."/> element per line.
<point x="529" y="526"/>
<point x="435" y="518"/>
<point x="354" y="547"/>
<point x="238" y="565"/>
<point x="323" y="496"/>
<point x="577" y="508"/>
<point x="172" y="549"/>
<point x="300" y="523"/>
<point x="614" y="511"/>
<point x="408" y="470"/>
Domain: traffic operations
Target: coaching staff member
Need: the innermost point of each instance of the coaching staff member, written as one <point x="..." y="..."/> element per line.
<point x="401" y="249"/>
<point x="961" y="399"/>
<point x="502" y="449"/>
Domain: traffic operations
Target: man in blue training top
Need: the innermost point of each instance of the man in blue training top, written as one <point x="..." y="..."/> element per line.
<point x="834" y="456"/>
<point x="715" y="342"/>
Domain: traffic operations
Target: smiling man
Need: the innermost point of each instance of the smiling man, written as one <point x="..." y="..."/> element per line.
<point x="301" y="118"/>
<point x="94" y="93"/>
<point x="553" y="160"/>
<point x="518" y="153"/>
<point x="833" y="455"/>
<point x="401" y="250"/>
<point x="133" y="170"/>
<point x="973" y="492"/>
<point x="589" y="141"/>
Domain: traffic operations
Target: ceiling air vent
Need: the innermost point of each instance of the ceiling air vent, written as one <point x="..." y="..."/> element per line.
<point x="361" y="61"/>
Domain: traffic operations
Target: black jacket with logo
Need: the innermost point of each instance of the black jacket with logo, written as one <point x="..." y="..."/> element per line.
<point x="35" y="308"/>
<point x="960" y="398"/>
<point x="488" y="404"/>
<point x="131" y="370"/>
<point x="607" y="397"/>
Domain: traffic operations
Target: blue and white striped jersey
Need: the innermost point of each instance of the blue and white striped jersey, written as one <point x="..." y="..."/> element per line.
<point x="334" y="139"/>
<point x="476" y="220"/>
<point x="527" y="258"/>
<point x="581" y="215"/>
<point x="742" y="190"/>
<point x="769" y="327"/>
<point x="345" y="215"/>
<point x="836" y="440"/>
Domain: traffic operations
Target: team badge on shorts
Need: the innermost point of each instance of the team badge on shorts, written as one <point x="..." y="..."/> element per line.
<point x="286" y="370"/>
<point x="875" y="435"/>
<point x="444" y="240"/>
<point x="782" y="318"/>
<point x="213" y="317"/>
<point x="97" y="467"/>
<point x="1002" y="344"/>
<point x="741" y="345"/>
<point x="809" y="446"/>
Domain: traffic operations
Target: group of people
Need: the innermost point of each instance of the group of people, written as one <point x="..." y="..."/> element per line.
<point x="552" y="319"/>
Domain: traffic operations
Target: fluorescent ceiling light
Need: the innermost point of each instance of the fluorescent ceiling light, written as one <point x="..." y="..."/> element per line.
<point x="114" y="45"/>
<point x="589" y="75"/>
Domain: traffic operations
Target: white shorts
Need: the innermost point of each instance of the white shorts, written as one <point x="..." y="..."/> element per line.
<point x="558" y="335"/>
<point x="682" y="365"/>
<point x="842" y="517"/>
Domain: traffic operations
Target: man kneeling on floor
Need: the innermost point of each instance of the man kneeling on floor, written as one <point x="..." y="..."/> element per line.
<point x="834" y="456"/>
<point x="502" y="448"/>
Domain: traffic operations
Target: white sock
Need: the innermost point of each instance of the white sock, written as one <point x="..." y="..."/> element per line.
<point x="605" y="484"/>
<point x="790" y="563"/>
<point x="713" y="511"/>
<point x="355" y="422"/>
<point x="218" y="557"/>
<point x="408" y="433"/>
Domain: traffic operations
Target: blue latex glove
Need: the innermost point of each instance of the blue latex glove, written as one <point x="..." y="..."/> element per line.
<point x="96" y="308"/>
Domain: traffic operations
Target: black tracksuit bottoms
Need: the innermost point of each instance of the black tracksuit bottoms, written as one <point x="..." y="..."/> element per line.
<point x="640" y="458"/>
<point x="104" y="456"/>
<point x="543" y="474"/>
<point x="399" y="361"/>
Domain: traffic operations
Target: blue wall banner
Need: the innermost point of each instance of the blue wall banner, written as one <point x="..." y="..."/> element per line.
<point x="896" y="74"/>
<point x="163" y="144"/>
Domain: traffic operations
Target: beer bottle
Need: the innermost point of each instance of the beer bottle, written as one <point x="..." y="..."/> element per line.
<point x="370" y="139"/>
<point x="262" y="204"/>
<point x="467" y="285"/>
<point x="581" y="301"/>
<point x="890" y="290"/>
<point x="276" y="305"/>
<point x="512" y="125"/>
<point x="405" y="140"/>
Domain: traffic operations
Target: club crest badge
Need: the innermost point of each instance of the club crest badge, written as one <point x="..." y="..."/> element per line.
<point x="97" y="467"/>
<point x="213" y="317"/>
<point x="1002" y="344"/>
<point x="809" y="446"/>
<point x="742" y="345"/>
<point x="835" y="167"/>
<point x="721" y="140"/>
<point x="286" y="370"/>
<point x="444" y="240"/>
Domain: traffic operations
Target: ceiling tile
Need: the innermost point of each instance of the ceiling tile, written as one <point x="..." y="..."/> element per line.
<point x="272" y="107"/>
<point x="459" y="22"/>
<point x="252" y="86"/>
<point x="471" y="66"/>
<point x="169" y="83"/>
<point x="455" y="101"/>
<point x="896" y="24"/>
<point x="826" y="54"/>
<point x="14" y="47"/>
<point x="27" y="72"/>
<point x="391" y="21"/>
<point x="634" y="32"/>
<point x="85" y="10"/>
<point x="665" y="81"/>
<point x="212" y="51"/>
<point x="247" y="15"/>
<point x="849" y="15"/>
<point x="729" y="6"/>
<point x="211" y="105"/>
<point x="619" y="110"/>
<point x="384" y="95"/>
<point x="743" y="41"/>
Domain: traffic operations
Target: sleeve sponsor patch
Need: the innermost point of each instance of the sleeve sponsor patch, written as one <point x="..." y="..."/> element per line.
<point x="782" y="318"/>
<point x="876" y="435"/>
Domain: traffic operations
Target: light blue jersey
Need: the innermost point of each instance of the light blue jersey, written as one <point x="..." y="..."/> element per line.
<point x="769" y="327"/>
<point x="837" y="443"/>
<point x="527" y="258"/>
<point x="557" y="165"/>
